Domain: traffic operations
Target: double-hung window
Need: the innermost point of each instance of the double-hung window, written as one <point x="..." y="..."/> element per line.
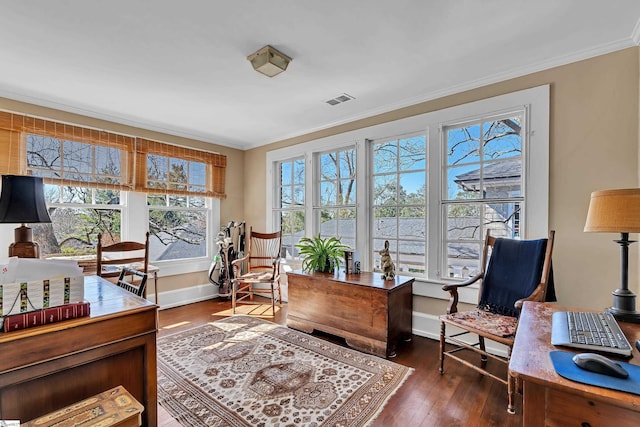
<point x="178" y="222"/>
<point x="289" y="212"/>
<point x="399" y="185"/>
<point x="483" y="187"/>
<point x="335" y="211"/>
<point x="86" y="172"/>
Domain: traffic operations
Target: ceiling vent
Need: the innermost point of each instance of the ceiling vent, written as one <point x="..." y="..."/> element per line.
<point x="340" y="99"/>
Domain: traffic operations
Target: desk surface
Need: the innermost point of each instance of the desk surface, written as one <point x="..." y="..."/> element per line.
<point x="530" y="359"/>
<point x="51" y="366"/>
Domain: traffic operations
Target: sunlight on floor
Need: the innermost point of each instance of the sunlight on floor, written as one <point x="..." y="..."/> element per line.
<point x="175" y="325"/>
<point x="258" y="310"/>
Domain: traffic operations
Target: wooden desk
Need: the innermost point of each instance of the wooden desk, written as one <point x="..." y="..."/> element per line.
<point x="371" y="314"/>
<point x="51" y="366"/>
<point x="551" y="400"/>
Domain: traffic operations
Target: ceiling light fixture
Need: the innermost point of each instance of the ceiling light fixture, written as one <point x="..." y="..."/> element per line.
<point x="269" y="61"/>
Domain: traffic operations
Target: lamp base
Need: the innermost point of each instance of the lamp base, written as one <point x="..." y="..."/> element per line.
<point x="24" y="247"/>
<point x="624" y="315"/>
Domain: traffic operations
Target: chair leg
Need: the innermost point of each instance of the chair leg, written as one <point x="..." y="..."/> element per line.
<point x="442" y="342"/>
<point x="510" y="391"/>
<point x="483" y="356"/>
<point x="233" y="298"/>
<point x="273" y="301"/>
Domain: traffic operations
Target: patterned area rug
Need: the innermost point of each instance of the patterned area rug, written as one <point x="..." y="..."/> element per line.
<point x="244" y="371"/>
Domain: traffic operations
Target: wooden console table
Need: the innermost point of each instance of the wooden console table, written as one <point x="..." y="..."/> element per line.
<point x="371" y="314"/>
<point x="52" y="366"/>
<point x="551" y="400"/>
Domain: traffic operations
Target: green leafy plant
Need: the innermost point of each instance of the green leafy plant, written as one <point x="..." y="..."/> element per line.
<point x="321" y="254"/>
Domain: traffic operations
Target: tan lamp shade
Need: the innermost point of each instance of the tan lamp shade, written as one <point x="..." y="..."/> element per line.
<point x="614" y="211"/>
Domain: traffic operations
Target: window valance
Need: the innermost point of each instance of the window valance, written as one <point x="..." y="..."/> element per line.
<point x="66" y="154"/>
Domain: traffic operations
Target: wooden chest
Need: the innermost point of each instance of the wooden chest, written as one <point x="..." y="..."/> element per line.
<point x="371" y="314"/>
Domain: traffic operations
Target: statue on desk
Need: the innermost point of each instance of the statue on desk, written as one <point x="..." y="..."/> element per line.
<point x="386" y="263"/>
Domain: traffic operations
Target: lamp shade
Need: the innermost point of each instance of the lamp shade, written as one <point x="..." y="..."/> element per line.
<point x="22" y="200"/>
<point x="614" y="211"/>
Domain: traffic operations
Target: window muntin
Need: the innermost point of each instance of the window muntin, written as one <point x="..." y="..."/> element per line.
<point x="335" y="211"/>
<point x="289" y="213"/>
<point x="483" y="187"/>
<point x="399" y="188"/>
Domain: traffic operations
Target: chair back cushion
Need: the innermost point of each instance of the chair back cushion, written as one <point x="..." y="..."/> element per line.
<point x="513" y="272"/>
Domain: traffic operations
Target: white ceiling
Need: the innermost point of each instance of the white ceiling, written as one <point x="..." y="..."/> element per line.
<point x="180" y="66"/>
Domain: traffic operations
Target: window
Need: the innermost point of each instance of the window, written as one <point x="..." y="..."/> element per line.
<point x="336" y="208"/>
<point x="289" y="212"/>
<point x="399" y="193"/>
<point x="483" y="175"/>
<point x="430" y="184"/>
<point x="78" y="213"/>
<point x="177" y="223"/>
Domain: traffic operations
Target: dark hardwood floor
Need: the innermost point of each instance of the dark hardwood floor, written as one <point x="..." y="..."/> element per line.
<point x="460" y="397"/>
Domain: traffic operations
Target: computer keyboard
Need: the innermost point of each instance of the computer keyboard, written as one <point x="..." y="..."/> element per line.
<point x="590" y="331"/>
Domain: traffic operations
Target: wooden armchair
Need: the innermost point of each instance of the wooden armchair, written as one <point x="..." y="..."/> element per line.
<point x="263" y="271"/>
<point x="134" y="255"/>
<point x="513" y="271"/>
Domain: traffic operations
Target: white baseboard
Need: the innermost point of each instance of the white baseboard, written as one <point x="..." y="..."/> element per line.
<point x="178" y="297"/>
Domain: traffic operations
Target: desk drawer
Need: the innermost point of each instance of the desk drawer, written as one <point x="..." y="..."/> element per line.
<point x="566" y="410"/>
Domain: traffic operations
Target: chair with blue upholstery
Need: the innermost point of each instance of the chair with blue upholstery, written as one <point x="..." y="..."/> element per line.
<point x="513" y="271"/>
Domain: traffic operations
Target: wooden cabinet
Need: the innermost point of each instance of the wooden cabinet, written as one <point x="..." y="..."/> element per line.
<point x="52" y="366"/>
<point x="371" y="314"/>
<point x="551" y="400"/>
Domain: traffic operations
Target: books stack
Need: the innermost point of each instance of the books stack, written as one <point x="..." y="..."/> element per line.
<point x="29" y="319"/>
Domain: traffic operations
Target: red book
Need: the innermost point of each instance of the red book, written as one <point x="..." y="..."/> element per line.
<point x="48" y="315"/>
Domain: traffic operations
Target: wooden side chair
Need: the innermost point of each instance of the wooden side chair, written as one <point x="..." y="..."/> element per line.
<point x="262" y="275"/>
<point x="132" y="286"/>
<point x="513" y="271"/>
<point x="112" y="258"/>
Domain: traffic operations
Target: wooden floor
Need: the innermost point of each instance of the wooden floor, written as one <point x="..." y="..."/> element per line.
<point x="460" y="397"/>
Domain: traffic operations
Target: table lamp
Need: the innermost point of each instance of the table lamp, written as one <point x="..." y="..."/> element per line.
<point x="618" y="211"/>
<point x="22" y="202"/>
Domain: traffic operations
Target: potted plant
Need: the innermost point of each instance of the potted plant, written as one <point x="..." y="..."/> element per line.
<point x="320" y="254"/>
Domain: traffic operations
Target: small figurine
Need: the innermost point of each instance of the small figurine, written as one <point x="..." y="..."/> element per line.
<point x="388" y="268"/>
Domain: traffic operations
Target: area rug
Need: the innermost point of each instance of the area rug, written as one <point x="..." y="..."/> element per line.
<point x="245" y="371"/>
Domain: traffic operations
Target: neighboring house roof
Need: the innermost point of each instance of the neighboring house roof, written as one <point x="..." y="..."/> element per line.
<point x="177" y="249"/>
<point x="498" y="173"/>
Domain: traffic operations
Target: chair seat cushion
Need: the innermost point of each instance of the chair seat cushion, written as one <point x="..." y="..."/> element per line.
<point x="491" y="323"/>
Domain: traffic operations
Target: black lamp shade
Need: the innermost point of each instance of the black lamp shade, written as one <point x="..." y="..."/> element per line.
<point x="22" y="200"/>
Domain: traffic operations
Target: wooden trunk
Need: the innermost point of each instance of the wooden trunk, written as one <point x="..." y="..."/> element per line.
<point x="371" y="314"/>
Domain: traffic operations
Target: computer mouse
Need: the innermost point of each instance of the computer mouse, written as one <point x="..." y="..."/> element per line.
<point x="600" y="364"/>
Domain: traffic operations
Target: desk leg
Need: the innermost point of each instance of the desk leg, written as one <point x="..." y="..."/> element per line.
<point x="534" y="408"/>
